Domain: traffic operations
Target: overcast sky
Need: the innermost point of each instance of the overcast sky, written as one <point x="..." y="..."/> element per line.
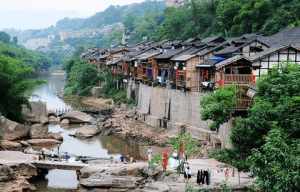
<point x="35" y="14"/>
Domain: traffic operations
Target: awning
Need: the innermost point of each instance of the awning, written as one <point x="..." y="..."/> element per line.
<point x="203" y="66"/>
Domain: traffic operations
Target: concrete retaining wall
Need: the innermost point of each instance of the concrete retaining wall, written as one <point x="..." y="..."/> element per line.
<point x="171" y="109"/>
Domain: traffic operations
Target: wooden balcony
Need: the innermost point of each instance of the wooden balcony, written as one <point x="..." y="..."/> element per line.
<point x="238" y="79"/>
<point x="243" y="104"/>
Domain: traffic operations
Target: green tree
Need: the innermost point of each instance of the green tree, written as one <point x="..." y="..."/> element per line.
<point x="189" y="143"/>
<point x="276" y="164"/>
<point x="81" y="77"/>
<point x="4" y="37"/>
<point x="276" y="105"/>
<point x="218" y="106"/>
<point x="15" y="83"/>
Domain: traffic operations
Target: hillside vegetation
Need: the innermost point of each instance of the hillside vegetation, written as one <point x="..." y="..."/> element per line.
<point x="210" y="17"/>
<point x="17" y="67"/>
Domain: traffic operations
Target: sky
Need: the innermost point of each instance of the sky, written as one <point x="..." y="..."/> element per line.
<point x="36" y="14"/>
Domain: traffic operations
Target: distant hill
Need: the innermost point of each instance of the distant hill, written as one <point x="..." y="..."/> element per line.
<point x="113" y="14"/>
<point x="103" y="29"/>
<point x="110" y="16"/>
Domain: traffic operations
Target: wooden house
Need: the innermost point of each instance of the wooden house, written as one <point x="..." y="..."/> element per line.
<point x="146" y="65"/>
<point x="114" y="60"/>
<point x="237" y="71"/>
<point x="242" y="46"/>
<point x="186" y="74"/>
<point x="275" y="57"/>
<point x="166" y="73"/>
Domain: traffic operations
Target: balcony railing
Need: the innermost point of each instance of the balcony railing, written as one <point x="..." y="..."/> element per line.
<point x="238" y="79"/>
<point x="243" y="104"/>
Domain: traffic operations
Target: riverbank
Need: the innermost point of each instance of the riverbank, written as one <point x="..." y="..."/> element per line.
<point x="138" y="177"/>
<point x="120" y="120"/>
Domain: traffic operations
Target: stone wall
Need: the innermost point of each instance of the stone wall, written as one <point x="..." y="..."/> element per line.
<point x="172" y="109"/>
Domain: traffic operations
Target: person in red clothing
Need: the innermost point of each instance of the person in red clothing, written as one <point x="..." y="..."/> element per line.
<point x="165" y="158"/>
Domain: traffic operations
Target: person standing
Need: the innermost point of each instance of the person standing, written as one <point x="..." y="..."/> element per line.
<point x="149" y="153"/>
<point x="187" y="174"/>
<point x="165" y="159"/>
<point x="122" y="158"/>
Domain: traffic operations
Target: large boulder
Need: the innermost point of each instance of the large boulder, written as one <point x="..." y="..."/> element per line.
<point x="38" y="131"/>
<point x="155" y="187"/>
<point x="10" y="145"/>
<point x="16" y="170"/>
<point x="18" y="185"/>
<point x="78" y="117"/>
<point x="12" y="130"/>
<point x="87" y="131"/>
<point x="25" y="170"/>
<point x="56" y="136"/>
<point x="36" y="112"/>
<point x="43" y="142"/>
<point x="15" y="157"/>
<point x="6" y="173"/>
<point x="116" y="177"/>
<point x="118" y="183"/>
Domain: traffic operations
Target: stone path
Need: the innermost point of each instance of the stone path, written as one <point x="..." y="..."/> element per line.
<point x="217" y="170"/>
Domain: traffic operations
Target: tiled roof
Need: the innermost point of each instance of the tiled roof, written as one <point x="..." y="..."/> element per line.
<point x="231" y="60"/>
<point x="284" y="37"/>
<point x="169" y="53"/>
<point x="272" y="50"/>
<point x="182" y="57"/>
<point x="147" y="54"/>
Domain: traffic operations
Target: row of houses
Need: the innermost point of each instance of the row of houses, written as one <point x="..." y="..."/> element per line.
<point x="201" y="64"/>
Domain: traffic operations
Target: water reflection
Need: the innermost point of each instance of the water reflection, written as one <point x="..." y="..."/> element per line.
<point x="102" y="147"/>
<point x="88" y="147"/>
<point x="48" y="92"/>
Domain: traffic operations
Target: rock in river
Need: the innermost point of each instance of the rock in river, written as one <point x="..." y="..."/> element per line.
<point x="78" y="117"/>
<point x="111" y="181"/>
<point x="6" y="173"/>
<point x="43" y="142"/>
<point x="115" y="177"/>
<point x="87" y="131"/>
<point x="36" y="113"/>
<point x="15" y="169"/>
<point x="10" y="145"/>
<point x="38" y="131"/>
<point x="12" y="130"/>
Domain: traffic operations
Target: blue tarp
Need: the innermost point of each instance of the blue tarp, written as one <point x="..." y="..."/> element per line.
<point x="217" y="59"/>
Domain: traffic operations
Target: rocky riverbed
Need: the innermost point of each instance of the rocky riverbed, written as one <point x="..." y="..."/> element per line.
<point x="138" y="177"/>
<point x="15" y="170"/>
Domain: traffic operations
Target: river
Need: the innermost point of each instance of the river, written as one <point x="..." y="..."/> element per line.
<point x="104" y="147"/>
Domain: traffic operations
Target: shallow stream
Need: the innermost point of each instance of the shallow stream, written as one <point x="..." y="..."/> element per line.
<point x="101" y="146"/>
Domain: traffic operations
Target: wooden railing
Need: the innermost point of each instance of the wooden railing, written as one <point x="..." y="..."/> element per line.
<point x="238" y="79"/>
<point x="243" y="104"/>
<point x="180" y="78"/>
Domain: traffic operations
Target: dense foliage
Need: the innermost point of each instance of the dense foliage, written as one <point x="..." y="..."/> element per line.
<point x="9" y="47"/>
<point x="16" y="67"/>
<point x="226" y="17"/>
<point x="218" y="106"/>
<point x="186" y="141"/>
<point x="81" y="77"/>
<point x="4" y="37"/>
<point x="277" y="163"/>
<point x="111" y="15"/>
<point x="274" y="115"/>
